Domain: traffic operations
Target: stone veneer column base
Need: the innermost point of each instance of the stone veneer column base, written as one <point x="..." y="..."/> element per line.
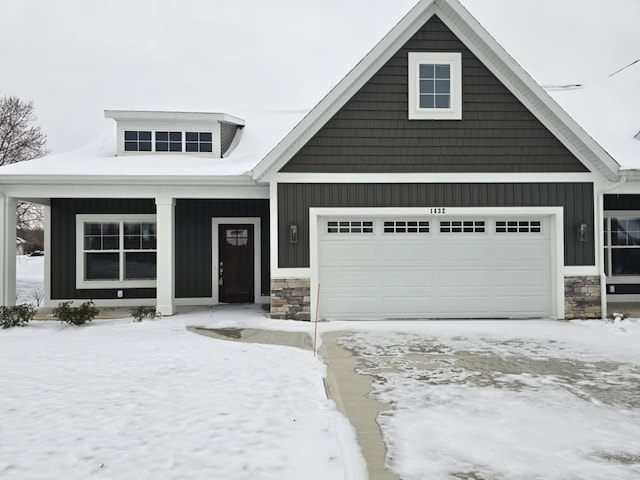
<point x="291" y="298"/>
<point x="582" y="297"/>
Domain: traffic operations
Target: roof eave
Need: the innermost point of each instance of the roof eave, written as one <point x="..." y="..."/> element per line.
<point x="147" y="180"/>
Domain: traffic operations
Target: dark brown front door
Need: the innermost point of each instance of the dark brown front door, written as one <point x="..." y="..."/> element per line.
<point x="235" y="277"/>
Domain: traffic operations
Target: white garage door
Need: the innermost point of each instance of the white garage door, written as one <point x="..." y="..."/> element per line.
<point x="377" y="268"/>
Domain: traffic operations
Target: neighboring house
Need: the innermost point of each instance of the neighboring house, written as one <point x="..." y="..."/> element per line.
<point x="436" y="180"/>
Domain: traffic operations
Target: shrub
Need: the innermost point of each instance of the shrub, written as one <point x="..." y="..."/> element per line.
<point x="140" y="313"/>
<point x="75" y="315"/>
<point x="16" y="315"/>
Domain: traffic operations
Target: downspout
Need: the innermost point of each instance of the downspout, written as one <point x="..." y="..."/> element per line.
<point x="603" y="276"/>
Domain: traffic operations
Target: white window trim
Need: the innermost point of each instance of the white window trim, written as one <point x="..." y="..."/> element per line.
<point x="454" y="59"/>
<point x="81" y="283"/>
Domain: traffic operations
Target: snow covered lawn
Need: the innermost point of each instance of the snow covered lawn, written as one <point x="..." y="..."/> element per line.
<point x="122" y="400"/>
<point x="29" y="279"/>
<point x="507" y="400"/>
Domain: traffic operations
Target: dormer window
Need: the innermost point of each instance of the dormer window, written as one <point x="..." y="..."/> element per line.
<point x="135" y="141"/>
<point x="199" y="142"/>
<point x="435" y="86"/>
<point x="202" y="134"/>
<point x="168" y="141"/>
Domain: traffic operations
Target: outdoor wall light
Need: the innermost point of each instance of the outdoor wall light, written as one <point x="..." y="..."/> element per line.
<point x="293" y="232"/>
<point x="581" y="232"/>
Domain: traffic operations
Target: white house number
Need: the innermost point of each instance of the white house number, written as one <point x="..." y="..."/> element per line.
<point x="438" y="211"/>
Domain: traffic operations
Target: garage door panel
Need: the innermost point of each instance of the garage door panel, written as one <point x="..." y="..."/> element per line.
<point x="408" y="278"/>
<point x="480" y="274"/>
<point x="335" y="253"/>
<point x="515" y="280"/>
<point x="409" y="252"/>
<point x="341" y="305"/>
<point x="458" y="277"/>
<point x="342" y="277"/>
<point x="406" y="307"/>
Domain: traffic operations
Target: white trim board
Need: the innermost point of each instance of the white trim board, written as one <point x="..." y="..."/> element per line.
<point x="556" y="233"/>
<point x="434" y="178"/>
<point x="215" y="254"/>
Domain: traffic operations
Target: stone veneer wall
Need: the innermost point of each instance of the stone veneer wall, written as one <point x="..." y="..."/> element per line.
<point x="582" y="297"/>
<point x="291" y="298"/>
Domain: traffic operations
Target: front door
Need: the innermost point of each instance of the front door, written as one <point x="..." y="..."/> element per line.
<point x="235" y="275"/>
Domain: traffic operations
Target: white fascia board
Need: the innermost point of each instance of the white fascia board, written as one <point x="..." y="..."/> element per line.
<point x="41" y="192"/>
<point x="436" y="178"/>
<point x="244" y="180"/>
<point x="478" y="40"/>
<point x="150" y="115"/>
<point x="345" y="89"/>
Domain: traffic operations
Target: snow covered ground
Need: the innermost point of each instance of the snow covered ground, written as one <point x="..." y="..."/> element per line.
<point x="485" y="400"/>
<point x="122" y="400"/>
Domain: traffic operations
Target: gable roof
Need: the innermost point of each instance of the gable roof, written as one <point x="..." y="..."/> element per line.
<point x="495" y="58"/>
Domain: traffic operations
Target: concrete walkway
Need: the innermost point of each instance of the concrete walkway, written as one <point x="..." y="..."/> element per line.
<point x="343" y="385"/>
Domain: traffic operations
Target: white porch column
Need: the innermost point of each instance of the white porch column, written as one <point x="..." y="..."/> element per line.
<point x="165" y="290"/>
<point x="7" y="250"/>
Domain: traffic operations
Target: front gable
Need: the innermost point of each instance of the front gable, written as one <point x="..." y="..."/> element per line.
<point x="372" y="132"/>
<point x="460" y="30"/>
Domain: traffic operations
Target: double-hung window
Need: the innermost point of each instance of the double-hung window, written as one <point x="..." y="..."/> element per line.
<point x="115" y="251"/>
<point x="435" y="85"/>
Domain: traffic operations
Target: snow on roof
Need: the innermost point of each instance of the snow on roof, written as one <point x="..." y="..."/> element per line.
<point x="553" y="41"/>
<point x="261" y="132"/>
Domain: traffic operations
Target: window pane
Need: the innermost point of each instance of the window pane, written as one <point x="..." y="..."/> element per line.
<point x="427" y="70"/>
<point x="162" y="136"/>
<point x="191" y="147"/>
<point x="192" y="136"/>
<point x="144" y="136"/>
<point x="110" y="228"/>
<point x="442" y="101"/>
<point x="131" y="228"/>
<point x="130" y="135"/>
<point x="427" y="86"/>
<point x="140" y="265"/>
<point x="130" y="146"/>
<point x="442" y="86"/>
<point x="145" y="147"/>
<point x="102" y="266"/>
<point x="175" y="147"/>
<point x="110" y="243"/>
<point x="162" y="146"/>
<point x="427" y="101"/>
<point x="205" y="136"/>
<point x="206" y="147"/>
<point x="91" y="228"/>
<point x="132" y="242"/>
<point x="93" y="243"/>
<point x="175" y="136"/>
<point x="443" y="71"/>
<point x="625" y="261"/>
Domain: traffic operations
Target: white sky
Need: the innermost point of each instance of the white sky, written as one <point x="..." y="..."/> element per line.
<point x="75" y="58"/>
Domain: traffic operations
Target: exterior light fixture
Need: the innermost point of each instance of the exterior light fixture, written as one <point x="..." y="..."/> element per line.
<point x="293" y="232"/>
<point x="581" y="232"/>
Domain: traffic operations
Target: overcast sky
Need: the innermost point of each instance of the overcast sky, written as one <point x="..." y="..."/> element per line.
<point x="75" y="58"/>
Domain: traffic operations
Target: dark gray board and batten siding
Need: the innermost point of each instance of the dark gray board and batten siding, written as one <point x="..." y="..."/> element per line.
<point x="372" y="132"/>
<point x="295" y="199"/>
<point x="193" y="243"/>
